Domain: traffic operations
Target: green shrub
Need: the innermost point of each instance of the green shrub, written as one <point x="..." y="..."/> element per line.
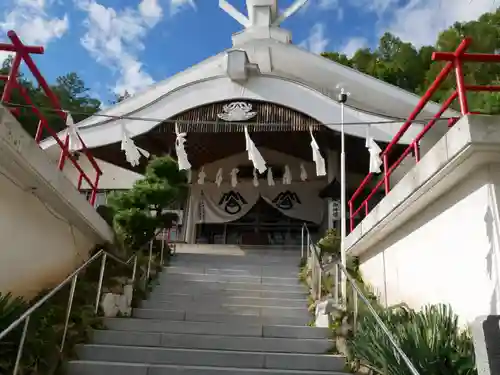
<point x="431" y="338"/>
<point x="10" y="309"/>
<point x="41" y="354"/>
<point x="330" y="244"/>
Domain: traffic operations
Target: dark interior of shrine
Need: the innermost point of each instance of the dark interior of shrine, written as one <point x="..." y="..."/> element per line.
<point x="210" y="138"/>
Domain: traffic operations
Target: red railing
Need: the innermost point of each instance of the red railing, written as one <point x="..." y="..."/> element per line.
<point x="455" y="60"/>
<point x="22" y="53"/>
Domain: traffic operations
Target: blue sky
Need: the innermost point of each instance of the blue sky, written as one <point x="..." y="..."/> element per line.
<point x="117" y="45"/>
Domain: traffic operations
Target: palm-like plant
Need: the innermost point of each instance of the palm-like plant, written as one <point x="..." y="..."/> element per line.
<point x="11" y="308"/>
<point x="431" y="338"/>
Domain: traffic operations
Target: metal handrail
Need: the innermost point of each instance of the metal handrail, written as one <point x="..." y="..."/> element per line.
<point x="22" y="54"/>
<point x="73" y="277"/>
<point x="317" y="269"/>
<point x="313" y="262"/>
<point x="455" y="61"/>
<point x="358" y="293"/>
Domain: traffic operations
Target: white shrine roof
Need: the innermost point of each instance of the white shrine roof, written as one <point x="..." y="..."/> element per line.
<point x="281" y="73"/>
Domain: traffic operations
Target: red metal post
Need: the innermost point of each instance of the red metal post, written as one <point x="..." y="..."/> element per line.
<point x="487" y="88"/>
<point x="462" y="93"/>
<point x="351" y="220"/>
<point x="94" y="189"/>
<point x="416" y="150"/>
<point x="469" y="57"/>
<point x="12" y="80"/>
<point x="23" y="54"/>
<point x="64" y="152"/>
<point x="39" y="131"/>
<point x="80" y="180"/>
<point x="29" y="49"/>
<point x="427" y="96"/>
<point x="36" y="73"/>
<point x="386" y="174"/>
<point x="455" y="60"/>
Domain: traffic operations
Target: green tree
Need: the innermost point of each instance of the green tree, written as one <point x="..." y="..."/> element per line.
<point x="73" y="96"/>
<point x="139" y="212"/>
<point x="412" y="69"/>
<point x="71" y="91"/>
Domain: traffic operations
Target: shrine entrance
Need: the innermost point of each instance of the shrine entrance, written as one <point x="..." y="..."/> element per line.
<point x="262" y="225"/>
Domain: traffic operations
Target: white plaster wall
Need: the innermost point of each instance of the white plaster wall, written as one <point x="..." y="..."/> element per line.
<point x="113" y="177"/>
<point x="39" y="247"/>
<point x="447" y="253"/>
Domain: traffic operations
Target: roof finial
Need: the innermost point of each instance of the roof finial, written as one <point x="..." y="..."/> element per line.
<point x="274" y="19"/>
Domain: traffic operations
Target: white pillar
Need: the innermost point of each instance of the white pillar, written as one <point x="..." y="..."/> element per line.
<point x="332" y="165"/>
<point x="190" y="221"/>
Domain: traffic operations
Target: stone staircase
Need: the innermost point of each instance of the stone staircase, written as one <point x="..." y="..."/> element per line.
<point x="216" y="314"/>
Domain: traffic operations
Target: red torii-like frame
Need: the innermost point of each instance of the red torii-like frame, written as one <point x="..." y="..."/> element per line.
<point x="455" y="60"/>
<point x="22" y="53"/>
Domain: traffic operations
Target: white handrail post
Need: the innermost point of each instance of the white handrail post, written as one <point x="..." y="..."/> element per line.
<point x="21" y="346"/>
<point x="162" y="245"/>
<point x="355" y="309"/>
<point x="308" y="242"/>
<point x="343" y="230"/>
<point x="336" y="284"/>
<point x="68" y="311"/>
<point x="99" y="285"/>
<point x="379" y="321"/>
<point x="134" y="270"/>
<point x="149" y="260"/>
<point x="320" y="286"/>
<point x="302" y="242"/>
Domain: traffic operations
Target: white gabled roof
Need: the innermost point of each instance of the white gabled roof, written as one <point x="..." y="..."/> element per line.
<point x="286" y="75"/>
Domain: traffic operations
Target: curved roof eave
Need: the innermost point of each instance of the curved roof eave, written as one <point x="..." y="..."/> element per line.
<point x="267" y="88"/>
<point x="317" y="72"/>
<point x="375" y="93"/>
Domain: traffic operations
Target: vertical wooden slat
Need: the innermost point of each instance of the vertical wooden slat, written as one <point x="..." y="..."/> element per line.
<point x="272" y="117"/>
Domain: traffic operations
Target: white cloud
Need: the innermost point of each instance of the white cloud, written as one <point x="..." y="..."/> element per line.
<point x="31" y="20"/>
<point x="323" y="5"/>
<point x="114" y="38"/>
<point x="151" y="11"/>
<point x="420" y="21"/>
<point x="316" y="42"/>
<point x="377" y="6"/>
<point x="328" y="4"/>
<point x="353" y="45"/>
<point x="177" y="5"/>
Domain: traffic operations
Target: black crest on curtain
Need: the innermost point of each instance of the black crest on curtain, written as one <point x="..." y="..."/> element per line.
<point x="286" y="200"/>
<point x="232" y="201"/>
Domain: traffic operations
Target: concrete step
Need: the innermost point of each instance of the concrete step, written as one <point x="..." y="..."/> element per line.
<point x="120" y="368"/>
<point x="289" y="312"/>
<point x="180" y="315"/>
<point x="259" y="259"/>
<point x="239" y="270"/>
<point x="197" y="286"/>
<point x="175" y="340"/>
<point x="186" y="301"/>
<point x="217" y="358"/>
<point x="195" y="293"/>
<point x="264" y="280"/>
<point x="215" y="328"/>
